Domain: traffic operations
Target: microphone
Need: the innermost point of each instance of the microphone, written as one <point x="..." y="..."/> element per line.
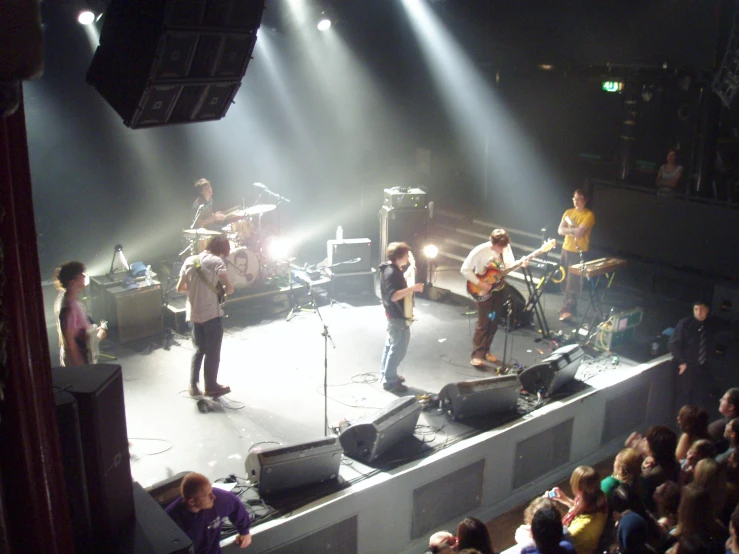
<point x="197" y="215"/>
<point x="260" y="186"/>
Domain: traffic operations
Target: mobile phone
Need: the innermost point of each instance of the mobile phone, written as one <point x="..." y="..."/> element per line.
<point x="552" y="494"/>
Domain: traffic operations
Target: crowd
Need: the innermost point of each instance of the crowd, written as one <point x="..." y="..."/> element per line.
<point x="668" y="493"/>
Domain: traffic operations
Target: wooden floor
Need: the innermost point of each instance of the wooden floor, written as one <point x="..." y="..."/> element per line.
<point x="503" y="528"/>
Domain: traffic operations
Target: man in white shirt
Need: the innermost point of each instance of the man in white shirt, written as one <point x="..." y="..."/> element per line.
<point x="496" y="252"/>
<point x="199" y="278"/>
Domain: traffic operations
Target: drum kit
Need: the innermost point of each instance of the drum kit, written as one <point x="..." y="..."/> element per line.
<point x="248" y="262"/>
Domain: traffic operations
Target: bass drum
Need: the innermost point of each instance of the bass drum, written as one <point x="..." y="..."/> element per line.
<point x="243" y="267"/>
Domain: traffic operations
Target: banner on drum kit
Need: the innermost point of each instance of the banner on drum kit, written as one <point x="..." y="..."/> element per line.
<point x="243" y="267"/>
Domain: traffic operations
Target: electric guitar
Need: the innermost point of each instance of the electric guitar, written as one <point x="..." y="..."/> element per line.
<point x="93" y="341"/>
<point x="494" y="274"/>
<point x="410" y="279"/>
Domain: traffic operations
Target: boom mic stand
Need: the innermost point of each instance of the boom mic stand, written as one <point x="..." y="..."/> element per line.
<point x="508" y="311"/>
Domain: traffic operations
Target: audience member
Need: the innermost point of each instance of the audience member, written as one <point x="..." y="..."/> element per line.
<point x="711" y="476"/>
<point x="472" y="533"/>
<point x="588" y="511"/>
<point x="632" y="535"/>
<point x="546" y="530"/>
<point x="660" y="464"/>
<point x="667" y="500"/>
<point x="693" y="422"/>
<point x="732" y="545"/>
<point x="626" y="471"/>
<point x="693" y="545"/>
<point x="731" y="434"/>
<point x="728" y="407"/>
<point x="442" y="543"/>
<point x="695" y="518"/>
<point x="523" y="535"/>
<point x="700" y="449"/>
<point x="669" y="174"/>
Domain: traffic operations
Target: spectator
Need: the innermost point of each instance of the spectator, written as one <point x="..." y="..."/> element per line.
<point x="472" y="533"/>
<point x="711" y="476"/>
<point x="693" y="545"/>
<point x="731" y="434"/>
<point x="732" y="545"/>
<point x="588" y="512"/>
<point x="546" y="530"/>
<point x="728" y="407"/>
<point x="442" y="543"/>
<point x="667" y="500"/>
<point x="523" y="533"/>
<point x="693" y="422"/>
<point x="626" y="471"/>
<point x="660" y="464"/>
<point x="701" y="449"/>
<point x="632" y="535"/>
<point x="669" y="174"/>
<point x="695" y="518"/>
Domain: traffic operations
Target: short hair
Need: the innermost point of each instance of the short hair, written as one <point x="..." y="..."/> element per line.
<point x="585" y="481"/>
<point x="66" y="273"/>
<point x="662" y="444"/>
<point x="537" y="504"/>
<point x="703" y="448"/>
<point x="629" y="461"/>
<point x="500" y="237"/>
<point x="396" y="250"/>
<point x="546" y="528"/>
<point x="580" y="192"/>
<point x="701" y="302"/>
<point x="472" y="533"/>
<point x="192" y="484"/>
<point x="218" y="246"/>
<point x="733" y="394"/>
<point x="693" y="421"/>
<point x="200" y="183"/>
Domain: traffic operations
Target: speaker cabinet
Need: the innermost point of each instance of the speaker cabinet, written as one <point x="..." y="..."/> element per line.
<point x="297" y="465"/>
<point x="98" y="391"/>
<point x="368" y="439"/>
<point x="163" y="62"/>
<point x="480" y="397"/>
<point x="343" y="284"/>
<point x="405" y="225"/>
<point x="554" y="371"/>
<point x="134" y="314"/>
<point x="73" y="465"/>
<point x="342" y="251"/>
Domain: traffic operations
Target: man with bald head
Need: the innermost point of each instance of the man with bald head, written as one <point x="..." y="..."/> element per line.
<point x="201" y="510"/>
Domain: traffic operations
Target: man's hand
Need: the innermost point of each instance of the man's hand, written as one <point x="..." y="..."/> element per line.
<point x="243" y="540"/>
<point x="682" y="368"/>
<point x="484" y="286"/>
<point x="525" y="263"/>
<point x="418" y="287"/>
<point x="219" y="216"/>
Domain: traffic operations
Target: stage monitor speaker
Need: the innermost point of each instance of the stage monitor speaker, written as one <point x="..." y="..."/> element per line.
<point x="163" y="62"/>
<point x="134" y="314"/>
<point x="369" y="438"/>
<point x="98" y="390"/>
<point x="288" y="467"/>
<point x="168" y="490"/>
<point x="480" y="397"/>
<point x="73" y="466"/>
<point x="347" y="250"/>
<point x="554" y="371"/>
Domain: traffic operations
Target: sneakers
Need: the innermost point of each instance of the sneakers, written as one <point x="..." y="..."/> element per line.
<point x="195" y="391"/>
<point x="217" y="390"/>
<point x="398" y="387"/>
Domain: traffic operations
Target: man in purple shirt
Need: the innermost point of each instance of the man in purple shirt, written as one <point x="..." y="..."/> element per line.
<point x="201" y="510"/>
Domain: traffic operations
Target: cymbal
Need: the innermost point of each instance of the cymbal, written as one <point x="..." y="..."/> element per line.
<point x="259" y="209"/>
<point x="202" y="232"/>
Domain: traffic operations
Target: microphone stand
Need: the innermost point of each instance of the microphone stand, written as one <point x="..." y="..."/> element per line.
<point x="508" y="310"/>
<point x="326" y="338"/>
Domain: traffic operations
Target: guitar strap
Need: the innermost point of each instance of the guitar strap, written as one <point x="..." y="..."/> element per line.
<point x="199" y="270"/>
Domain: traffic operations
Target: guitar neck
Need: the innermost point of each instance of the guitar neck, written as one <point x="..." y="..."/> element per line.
<point x="519" y="263"/>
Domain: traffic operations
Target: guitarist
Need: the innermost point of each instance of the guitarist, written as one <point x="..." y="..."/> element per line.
<point x="496" y="252"/>
<point x="199" y="278"/>
<point x="72" y="321"/>
<point x="394" y="289"/>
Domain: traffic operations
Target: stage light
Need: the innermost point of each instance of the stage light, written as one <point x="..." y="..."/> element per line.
<point x="279" y="248"/>
<point x="613" y="86"/>
<point x="430" y="251"/>
<point x="86" y="17"/>
<point x="324" y="24"/>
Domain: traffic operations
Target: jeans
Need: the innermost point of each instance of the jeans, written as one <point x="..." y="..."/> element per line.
<point x="396" y="345"/>
<point x="207" y="338"/>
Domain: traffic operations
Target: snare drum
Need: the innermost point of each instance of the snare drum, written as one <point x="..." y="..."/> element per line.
<point x="243" y="267"/>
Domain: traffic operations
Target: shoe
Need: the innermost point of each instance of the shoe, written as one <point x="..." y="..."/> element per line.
<point x="398" y="387"/>
<point x="401" y="378"/>
<point x="490" y="358"/>
<point x="564" y="316"/>
<point x="195" y="391"/>
<point x="217" y="390"/>
<point x="478" y="363"/>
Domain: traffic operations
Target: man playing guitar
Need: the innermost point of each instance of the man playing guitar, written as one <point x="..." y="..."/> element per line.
<point x="489" y="310"/>
<point x="199" y="278"/>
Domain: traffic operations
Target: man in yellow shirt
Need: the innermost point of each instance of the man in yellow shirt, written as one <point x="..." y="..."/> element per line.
<point x="575" y="227"/>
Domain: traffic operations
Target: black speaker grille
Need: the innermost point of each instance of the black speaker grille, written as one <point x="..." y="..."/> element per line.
<point x="542" y="453"/>
<point x="339" y="538"/>
<point x="625" y="412"/>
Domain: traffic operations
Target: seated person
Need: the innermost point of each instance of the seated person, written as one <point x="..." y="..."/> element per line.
<point x="588" y="511"/>
<point x="695" y="519"/>
<point x="731" y="434"/>
<point x="693" y="422"/>
<point x="700" y="449"/>
<point x="546" y="530"/>
<point x="471" y="534"/>
<point x="626" y="470"/>
<point x="728" y="407"/>
<point x="667" y="500"/>
<point x="660" y="465"/>
<point x="669" y="174"/>
<point x="201" y="510"/>
<point x="523" y="535"/>
<point x="712" y="477"/>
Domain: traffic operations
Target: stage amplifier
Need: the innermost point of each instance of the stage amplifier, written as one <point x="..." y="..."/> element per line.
<point x="405" y="198"/>
<point x="554" y="371"/>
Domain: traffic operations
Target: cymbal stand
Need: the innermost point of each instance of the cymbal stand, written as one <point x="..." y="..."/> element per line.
<point x="508" y="307"/>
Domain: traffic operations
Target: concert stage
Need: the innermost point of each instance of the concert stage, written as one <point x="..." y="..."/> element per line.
<point x="428" y="481"/>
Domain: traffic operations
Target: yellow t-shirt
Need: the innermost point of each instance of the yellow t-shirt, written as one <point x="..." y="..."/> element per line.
<point x="586" y="530"/>
<point x="579" y="217"/>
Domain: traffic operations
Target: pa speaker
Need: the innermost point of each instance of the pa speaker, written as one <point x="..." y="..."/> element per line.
<point x="480" y="397"/>
<point x="98" y="391"/>
<point x="368" y="439"/>
<point x="554" y="371"/>
<point x="405" y="225"/>
<point x="162" y="62"/>
<point x="288" y="467"/>
<point x="349" y="255"/>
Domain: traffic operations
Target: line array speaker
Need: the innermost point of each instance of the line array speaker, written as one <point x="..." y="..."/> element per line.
<point x="368" y="439"/>
<point x="288" y="467"/>
<point x="480" y="397"/>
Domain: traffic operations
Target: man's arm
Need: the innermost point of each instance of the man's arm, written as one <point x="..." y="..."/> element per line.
<point x="402" y="293"/>
<point x="676" y="343"/>
<point x="240" y="519"/>
<point x="223" y="278"/>
<point x="468" y="266"/>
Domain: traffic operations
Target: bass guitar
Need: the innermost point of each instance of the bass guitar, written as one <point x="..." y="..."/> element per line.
<point x="410" y="279"/>
<point x="93" y="341"/>
<point x="494" y="274"/>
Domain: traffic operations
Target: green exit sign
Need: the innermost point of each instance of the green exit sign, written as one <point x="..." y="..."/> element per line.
<point x="613" y="86"/>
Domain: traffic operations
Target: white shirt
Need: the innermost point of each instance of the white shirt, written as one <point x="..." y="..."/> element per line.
<point x="202" y="303"/>
<point x="479" y="258"/>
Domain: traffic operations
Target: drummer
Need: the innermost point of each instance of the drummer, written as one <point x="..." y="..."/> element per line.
<point x="207" y="218"/>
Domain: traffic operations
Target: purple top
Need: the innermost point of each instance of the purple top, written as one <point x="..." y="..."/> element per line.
<point x="204" y="527"/>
